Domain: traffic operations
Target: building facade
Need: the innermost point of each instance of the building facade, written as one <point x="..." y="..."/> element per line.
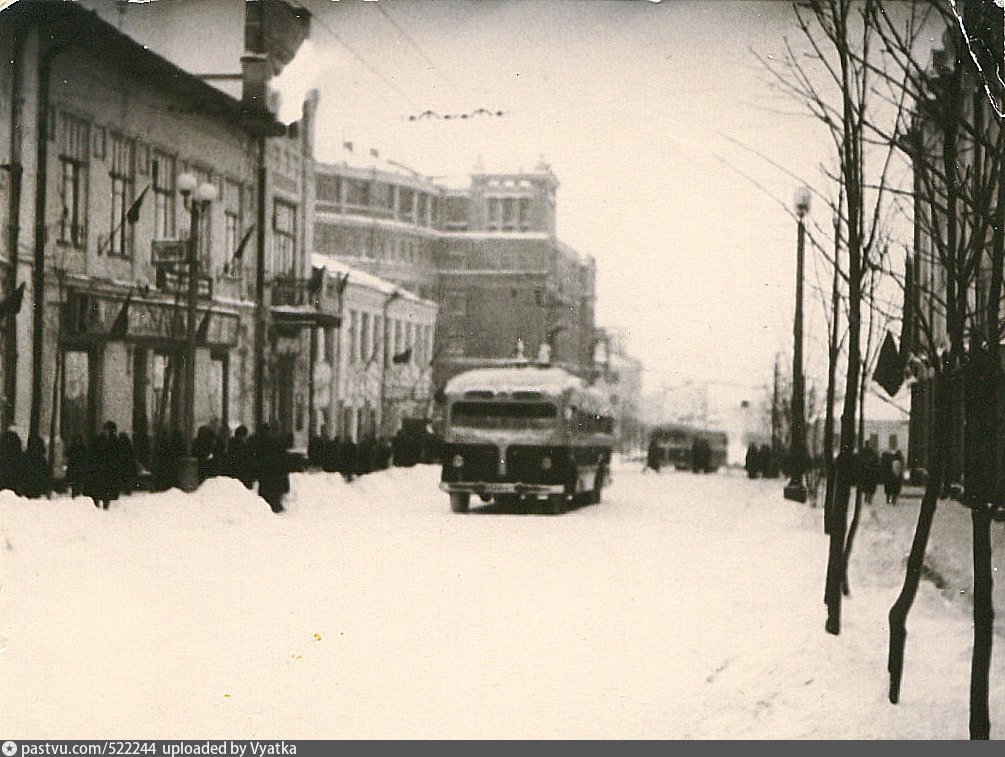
<point x="372" y="367"/>
<point x="97" y="132"/>
<point x="486" y="253"/>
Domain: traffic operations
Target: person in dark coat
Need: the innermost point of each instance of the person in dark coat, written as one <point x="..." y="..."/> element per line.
<point x="767" y="462"/>
<point x="653" y="457"/>
<point x="329" y="456"/>
<point x="238" y="464"/>
<point x="76" y="465"/>
<point x="347" y="458"/>
<point x="202" y="451"/>
<point x="129" y="466"/>
<point x="867" y="472"/>
<point x="893" y="477"/>
<point x="106" y="471"/>
<point x="752" y="463"/>
<point x="10" y="460"/>
<point x="274" y="472"/>
<point x="34" y="470"/>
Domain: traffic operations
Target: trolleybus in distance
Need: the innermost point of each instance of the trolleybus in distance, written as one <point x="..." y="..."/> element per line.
<point x="678" y="443"/>
<point x="525" y="432"/>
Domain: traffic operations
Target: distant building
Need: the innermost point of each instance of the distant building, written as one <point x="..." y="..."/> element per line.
<point x="486" y="252"/>
<point x="618" y="376"/>
<point x="373" y="369"/>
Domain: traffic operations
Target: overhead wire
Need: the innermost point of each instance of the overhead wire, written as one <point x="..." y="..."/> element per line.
<point x="414" y="44"/>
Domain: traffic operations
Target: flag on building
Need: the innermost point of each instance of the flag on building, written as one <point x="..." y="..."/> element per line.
<point x="340" y="285"/>
<point x="12" y="303"/>
<point x="375" y="152"/>
<point x="133" y="214"/>
<point x="317" y="279"/>
<point x="889" y="371"/>
<point x="121" y="324"/>
<point x="239" y="252"/>
<point x="202" y="332"/>
<point x="347" y="146"/>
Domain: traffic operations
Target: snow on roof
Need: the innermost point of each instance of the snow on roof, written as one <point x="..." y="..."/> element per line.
<point x="549" y="379"/>
<point x="361" y="278"/>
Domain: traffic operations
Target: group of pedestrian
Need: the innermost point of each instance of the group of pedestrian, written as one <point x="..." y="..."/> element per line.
<point x="871" y="469"/>
<point x="263" y="457"/>
<point x="103" y="468"/>
<point x="349" y="458"/>
<point x="761" y="461"/>
<point x="24" y="471"/>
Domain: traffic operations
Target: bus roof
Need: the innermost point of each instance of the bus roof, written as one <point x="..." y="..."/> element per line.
<point x="548" y="380"/>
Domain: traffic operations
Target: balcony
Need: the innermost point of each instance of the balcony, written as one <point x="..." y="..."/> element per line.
<point x="295" y="304"/>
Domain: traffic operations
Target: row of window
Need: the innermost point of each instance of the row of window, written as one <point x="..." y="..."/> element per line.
<point x="410" y="342"/>
<point x="80" y="145"/>
<point x="373" y="197"/>
<point x="508" y="214"/>
<point x="372" y="243"/>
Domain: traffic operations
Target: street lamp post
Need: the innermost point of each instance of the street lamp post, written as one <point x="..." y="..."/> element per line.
<point x="796" y="489"/>
<point x="197" y="198"/>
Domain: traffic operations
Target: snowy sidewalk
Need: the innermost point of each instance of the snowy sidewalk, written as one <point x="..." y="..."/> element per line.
<point x="684" y="606"/>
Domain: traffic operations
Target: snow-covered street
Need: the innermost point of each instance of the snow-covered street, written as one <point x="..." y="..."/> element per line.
<point x="683" y="606"/>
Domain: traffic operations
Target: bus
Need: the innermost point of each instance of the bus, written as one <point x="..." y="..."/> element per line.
<point x="678" y="444"/>
<point x="527" y="433"/>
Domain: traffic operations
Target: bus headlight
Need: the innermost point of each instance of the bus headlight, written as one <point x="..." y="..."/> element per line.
<point x="545" y="463"/>
<point x="458" y="461"/>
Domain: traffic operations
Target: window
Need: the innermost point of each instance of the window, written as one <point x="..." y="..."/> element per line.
<point x="405" y="203"/>
<point x="329" y="345"/>
<point x="523" y="214"/>
<point x="364" y="336"/>
<point x="503" y="415"/>
<point x="329" y="189"/>
<point x="422" y="220"/>
<point x="352" y="335"/>
<point x="494" y="213"/>
<point x="284" y="227"/>
<point x="357" y="192"/>
<point x="123" y="180"/>
<point x="893" y="441"/>
<point x="232" y="225"/>
<point x="73" y="187"/>
<point x="163" y="180"/>
<point x="509" y="213"/>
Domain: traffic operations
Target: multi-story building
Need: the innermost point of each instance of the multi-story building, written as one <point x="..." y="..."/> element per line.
<point x="487" y="253"/>
<point x="96" y="133"/>
<point x="382" y="222"/>
<point x="372" y="368"/>
<point x="618" y="376"/>
<point x="504" y="275"/>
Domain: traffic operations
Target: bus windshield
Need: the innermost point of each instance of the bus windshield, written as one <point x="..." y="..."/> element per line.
<point x="504" y="415"/>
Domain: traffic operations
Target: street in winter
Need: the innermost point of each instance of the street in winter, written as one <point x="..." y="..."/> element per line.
<point x="684" y="606"/>
<point x="514" y="369"/>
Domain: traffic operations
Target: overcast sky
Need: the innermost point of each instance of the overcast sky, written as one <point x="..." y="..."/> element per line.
<point x="634" y="105"/>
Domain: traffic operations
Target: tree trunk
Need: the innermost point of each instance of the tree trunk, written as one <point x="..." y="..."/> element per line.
<point x="916" y="557"/>
<point x="980" y="413"/>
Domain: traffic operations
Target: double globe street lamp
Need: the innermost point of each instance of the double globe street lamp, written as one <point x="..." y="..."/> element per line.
<point x="798" y="458"/>
<point x="197" y="199"/>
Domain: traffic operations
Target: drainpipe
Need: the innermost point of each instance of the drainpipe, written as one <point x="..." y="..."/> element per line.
<point x="15" y="170"/>
<point x="38" y="271"/>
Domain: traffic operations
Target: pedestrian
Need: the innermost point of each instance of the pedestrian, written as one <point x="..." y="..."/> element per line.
<point x="329" y="456"/>
<point x="751" y="463"/>
<point x="105" y="470"/>
<point x="348" y="452"/>
<point x="129" y="467"/>
<point x="10" y="460"/>
<point x="867" y="472"/>
<point x="238" y="463"/>
<point x="274" y="474"/>
<point x="34" y="469"/>
<point x="894" y="479"/>
<point x="202" y="451"/>
<point x="653" y="457"/>
<point x="76" y="465"/>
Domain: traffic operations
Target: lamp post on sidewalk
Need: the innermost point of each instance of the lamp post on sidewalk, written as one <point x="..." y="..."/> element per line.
<point x="197" y="199"/>
<point x="796" y="489"/>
